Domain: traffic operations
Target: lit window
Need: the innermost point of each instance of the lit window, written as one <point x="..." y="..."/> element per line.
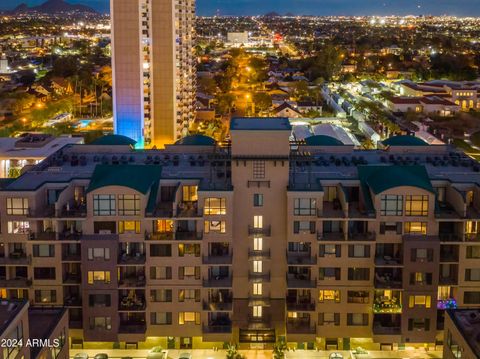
<point x="215" y="226"/>
<point x="128" y="205"/>
<point x="257" y="266"/>
<point x="18" y="227"/>
<point x="17" y="206"/>
<point x="188" y="317"/>
<point x="215" y="206"/>
<point x="420" y="300"/>
<point x="258" y="221"/>
<point x="391" y="205"/>
<point x="164" y="226"/>
<point x="258" y="169"/>
<point x="416" y="228"/>
<point x="129" y="227"/>
<point x="257" y="311"/>
<point x="104" y="205"/>
<point x="98" y="276"/>
<point x="258" y="244"/>
<point x="329" y="295"/>
<point x="416" y="206"/>
<point x="190" y="193"/>
<point x="257" y="288"/>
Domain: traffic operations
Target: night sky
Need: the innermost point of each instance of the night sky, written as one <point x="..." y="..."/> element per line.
<point x="311" y="7"/>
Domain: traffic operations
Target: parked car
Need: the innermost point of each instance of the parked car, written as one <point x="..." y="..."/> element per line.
<point x="157" y="353"/>
<point x="185" y="356"/>
<point x="101" y="356"/>
<point x="81" y="356"/>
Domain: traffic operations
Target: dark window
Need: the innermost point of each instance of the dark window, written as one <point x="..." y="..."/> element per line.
<point x="358" y="274"/>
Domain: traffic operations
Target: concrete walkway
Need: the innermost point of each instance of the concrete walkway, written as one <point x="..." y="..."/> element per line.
<point x="264" y="354"/>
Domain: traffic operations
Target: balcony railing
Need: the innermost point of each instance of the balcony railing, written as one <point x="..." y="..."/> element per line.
<point x="386" y="330"/>
<point x="263" y="254"/>
<point x="133" y="259"/>
<point x="330" y="236"/>
<point x="218" y="259"/>
<point x="188" y="236"/>
<point x="215" y="306"/>
<point x="254" y="276"/>
<point x="166" y="236"/>
<point x="132" y="327"/>
<point x="134" y="281"/>
<point x="217" y="329"/>
<point x="301" y="306"/>
<point x="367" y="236"/>
<point x="301" y="328"/>
<point x="301" y="259"/>
<point x="16" y="258"/>
<point x="218" y="282"/>
<point x="386" y="261"/>
<point x="131" y="304"/>
<point x="265" y="231"/>
<point x="15" y="283"/>
<point x="301" y="282"/>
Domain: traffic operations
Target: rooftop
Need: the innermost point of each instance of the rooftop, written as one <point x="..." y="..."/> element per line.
<point x="404" y="141"/>
<point x="196" y="140"/>
<point x="467" y="322"/>
<point x="8" y="311"/>
<point x="322" y="140"/>
<point x="260" y="124"/>
<point x="137" y="177"/>
<point x="42" y="322"/>
<point x="114" y="140"/>
<point x="34" y="147"/>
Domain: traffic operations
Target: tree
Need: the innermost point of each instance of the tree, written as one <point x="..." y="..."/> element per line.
<point x="232" y="352"/>
<point x="368" y="144"/>
<point x="300" y="89"/>
<point x="262" y="100"/>
<point x="225" y="103"/>
<point x="22" y="102"/>
<point x="207" y="85"/>
<point x="279" y="349"/>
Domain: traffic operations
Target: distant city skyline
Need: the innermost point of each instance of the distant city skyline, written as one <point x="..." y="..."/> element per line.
<point x="310" y="7"/>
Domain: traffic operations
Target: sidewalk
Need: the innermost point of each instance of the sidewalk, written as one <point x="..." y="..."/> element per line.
<point x="263" y="354"/>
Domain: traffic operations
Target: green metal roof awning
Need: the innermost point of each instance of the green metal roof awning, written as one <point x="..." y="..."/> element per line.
<point x="382" y="178"/>
<point x="137" y="177"/>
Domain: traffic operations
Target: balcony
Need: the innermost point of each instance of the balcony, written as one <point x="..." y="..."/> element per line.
<point x="71" y="256"/>
<point x="448" y="280"/>
<point x="128" y="303"/>
<point x="131" y="281"/>
<point x="449" y="237"/>
<point x="301" y="258"/>
<point x="265" y="231"/>
<point x="72" y="278"/>
<point x="217" y="259"/>
<point x="300" y="281"/>
<point x="331" y="210"/>
<point x="73" y="300"/>
<point x="301" y="327"/>
<point x="386" y="261"/>
<point x="362" y="236"/>
<point x="131" y="258"/>
<point x="218" y="282"/>
<point x="188" y="210"/>
<point x="259" y="277"/>
<point x="212" y="328"/>
<point x="188" y="236"/>
<point x="16" y="258"/>
<point x="388" y="278"/>
<point x="259" y="255"/>
<point x="75" y="211"/>
<point x="162" y="210"/>
<point x="165" y="236"/>
<point x="379" y="329"/>
<point x="330" y="236"/>
<point x="262" y="322"/>
<point x="388" y="304"/>
<point x="132" y="328"/>
<point x="258" y="184"/>
<point x="15" y="283"/>
<point x="446" y="211"/>
<point x="301" y="305"/>
<point x="449" y="253"/>
<point x="43" y="236"/>
<point x="218" y="306"/>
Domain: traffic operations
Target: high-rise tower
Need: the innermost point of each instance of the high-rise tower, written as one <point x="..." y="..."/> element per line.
<point x="154" y="69"/>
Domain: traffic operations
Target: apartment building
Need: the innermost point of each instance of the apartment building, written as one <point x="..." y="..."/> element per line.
<point x="28" y="332"/>
<point x="462" y="334"/>
<point x="198" y="244"/>
<point x="154" y="80"/>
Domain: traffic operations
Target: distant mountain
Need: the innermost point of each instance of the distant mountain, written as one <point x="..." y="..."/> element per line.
<point x="290" y="14"/>
<point x="272" y="14"/>
<point x="52" y="7"/>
